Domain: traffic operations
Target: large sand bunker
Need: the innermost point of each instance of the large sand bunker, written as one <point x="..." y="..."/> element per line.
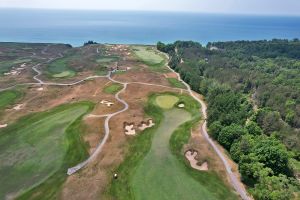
<point x="191" y="156"/>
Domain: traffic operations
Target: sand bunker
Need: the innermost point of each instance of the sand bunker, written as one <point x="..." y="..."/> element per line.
<point x="16" y="70"/>
<point x="3" y="125"/>
<point x="181" y="105"/>
<point x="145" y="125"/>
<point x="40" y="89"/>
<point x="18" y="107"/>
<point x="107" y="103"/>
<point x="129" y="128"/>
<point x="191" y="156"/>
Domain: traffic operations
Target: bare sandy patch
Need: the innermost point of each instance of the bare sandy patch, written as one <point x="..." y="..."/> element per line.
<point x="94" y="132"/>
<point x="170" y="75"/>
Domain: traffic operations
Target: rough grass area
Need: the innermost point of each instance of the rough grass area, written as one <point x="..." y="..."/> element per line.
<point x="151" y="170"/>
<point x="166" y="101"/>
<point x="8" y="98"/>
<point x="176" y="83"/>
<point x="113" y="88"/>
<point x="59" y="68"/>
<point x="39" y="148"/>
<point x="154" y="59"/>
<point x="296" y="166"/>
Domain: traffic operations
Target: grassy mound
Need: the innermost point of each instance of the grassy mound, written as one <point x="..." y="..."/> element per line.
<point x="166" y="101"/>
<point x="113" y="88"/>
<point x="40" y="147"/>
<point x="153" y="170"/>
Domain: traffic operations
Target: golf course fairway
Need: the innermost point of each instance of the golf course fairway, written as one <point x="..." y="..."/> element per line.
<point x="36" y="146"/>
<point x="160" y="175"/>
<point x="155" y="166"/>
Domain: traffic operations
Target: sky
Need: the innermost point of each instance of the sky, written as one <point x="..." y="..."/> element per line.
<point x="259" y="7"/>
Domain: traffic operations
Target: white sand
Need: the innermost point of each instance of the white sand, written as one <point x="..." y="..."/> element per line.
<point x="144" y="125"/>
<point x="40" y="89"/>
<point x="107" y="103"/>
<point x="18" y="107"/>
<point x="3" y="125"/>
<point x="129" y="130"/>
<point x="181" y="105"/>
<point x="191" y="156"/>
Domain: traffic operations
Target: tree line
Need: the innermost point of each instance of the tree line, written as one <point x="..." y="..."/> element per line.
<point x="236" y="77"/>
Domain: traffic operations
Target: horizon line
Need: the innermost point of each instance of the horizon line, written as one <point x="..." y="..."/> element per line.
<point x="160" y="11"/>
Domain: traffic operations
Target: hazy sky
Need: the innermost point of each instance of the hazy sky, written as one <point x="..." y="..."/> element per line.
<point x="277" y="7"/>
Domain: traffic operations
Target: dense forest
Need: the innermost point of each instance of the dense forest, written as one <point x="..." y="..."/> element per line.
<point x="253" y="94"/>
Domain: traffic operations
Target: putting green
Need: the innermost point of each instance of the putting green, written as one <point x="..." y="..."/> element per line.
<point x="35" y="147"/>
<point x="166" y="101"/>
<point x="154" y="59"/>
<point x="148" y="55"/>
<point x="160" y="175"/>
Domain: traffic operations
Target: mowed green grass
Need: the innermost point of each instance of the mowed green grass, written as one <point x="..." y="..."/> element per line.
<point x="113" y="88"/>
<point x="155" y="167"/>
<point x="160" y="176"/>
<point x="59" y="68"/>
<point x="176" y="83"/>
<point x="8" y="97"/>
<point x="166" y="101"/>
<point x="37" y="146"/>
<point x="154" y="59"/>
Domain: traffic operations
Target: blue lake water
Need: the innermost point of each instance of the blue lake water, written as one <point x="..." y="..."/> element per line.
<point x="75" y="27"/>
